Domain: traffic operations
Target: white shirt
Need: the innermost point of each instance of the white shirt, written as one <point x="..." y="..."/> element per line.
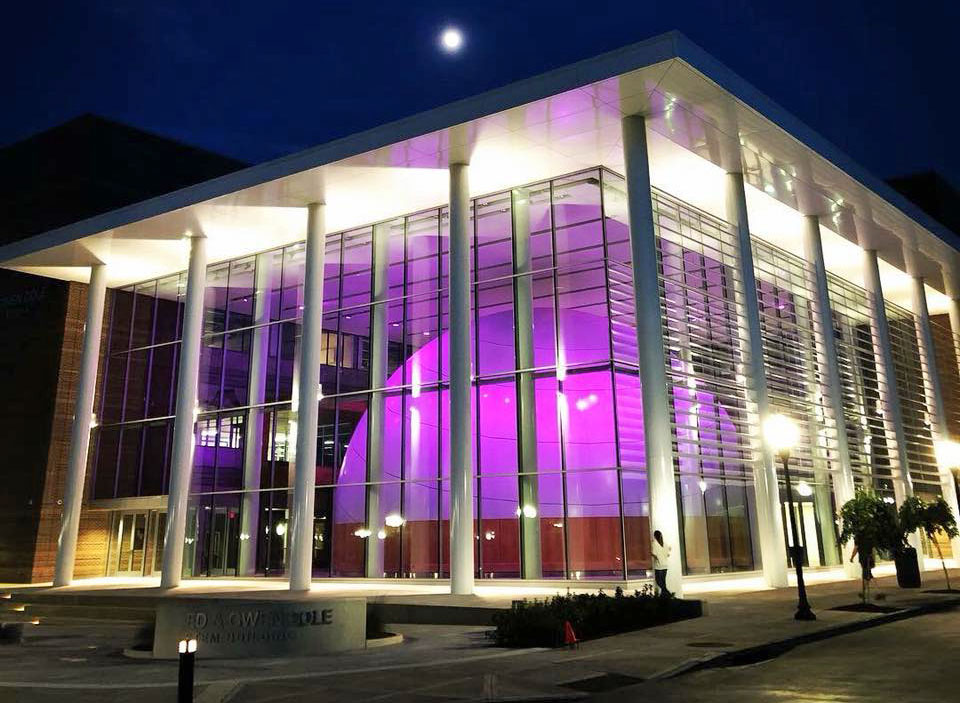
<point x="661" y="553"/>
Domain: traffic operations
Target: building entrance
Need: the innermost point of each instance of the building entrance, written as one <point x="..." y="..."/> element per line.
<point x="136" y="543"/>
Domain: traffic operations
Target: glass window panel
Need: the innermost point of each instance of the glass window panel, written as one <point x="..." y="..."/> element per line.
<point x="422" y="340"/>
<point x="499" y="527"/>
<point x="205" y="455"/>
<point x="498" y="428"/>
<point x="271" y="553"/>
<point x="281" y="448"/>
<point x="289" y="339"/>
<point x="495" y="327"/>
<point x="396" y="267"/>
<point x="230" y="444"/>
<point x="128" y="466"/>
<point x="156" y="458"/>
<point x="269" y="274"/>
<point x="349" y="544"/>
<point x="354" y="350"/>
<point x="544" y="321"/>
<point x="548" y="424"/>
<point x="576" y="199"/>
<point x="351" y="439"/>
<point x="215" y="299"/>
<point x="494" y="246"/>
<point x="588" y="421"/>
<point x="357" y="267"/>
<point x="162" y="380"/>
<point x="137" y="375"/>
<point x="121" y="319"/>
<point x="584" y="323"/>
<point x="108" y="445"/>
<point x="421" y="532"/>
<point x="331" y="272"/>
<point x="594" y="540"/>
<point x="291" y="301"/>
<point x="111" y="404"/>
<point x="143" y="311"/>
<point x="630" y="419"/>
<point x="422" y="435"/>
<point x="211" y="367"/>
<point x="579" y="244"/>
<point x="236" y="372"/>
<point x="423" y="249"/>
<point x="271" y="391"/>
<point x="552" y="524"/>
<point x="241" y="298"/>
<point x="395" y="350"/>
<point x="696" y="554"/>
<point x="327" y="442"/>
<point x="636" y="522"/>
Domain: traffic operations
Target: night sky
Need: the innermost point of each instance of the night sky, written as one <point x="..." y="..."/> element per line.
<point x="260" y="79"/>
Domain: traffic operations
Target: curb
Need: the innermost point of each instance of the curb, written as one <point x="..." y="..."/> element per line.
<point x="770" y="650"/>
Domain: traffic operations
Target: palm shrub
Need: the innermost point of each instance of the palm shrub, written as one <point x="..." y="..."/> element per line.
<point x="935" y="517"/>
<point x="872" y="525"/>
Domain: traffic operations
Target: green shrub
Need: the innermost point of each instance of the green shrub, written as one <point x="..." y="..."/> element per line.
<point x="539" y="623"/>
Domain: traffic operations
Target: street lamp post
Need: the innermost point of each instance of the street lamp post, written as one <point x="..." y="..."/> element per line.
<point x="782" y="433"/>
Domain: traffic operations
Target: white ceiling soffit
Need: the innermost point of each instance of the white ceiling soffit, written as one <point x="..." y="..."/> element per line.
<point x="541" y="127"/>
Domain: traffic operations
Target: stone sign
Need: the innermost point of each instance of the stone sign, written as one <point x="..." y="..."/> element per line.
<point x="234" y="628"/>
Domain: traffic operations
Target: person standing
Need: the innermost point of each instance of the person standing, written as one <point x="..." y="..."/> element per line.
<point x="661" y="557"/>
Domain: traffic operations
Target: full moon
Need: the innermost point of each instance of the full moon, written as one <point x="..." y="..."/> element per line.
<point x="451" y="39"/>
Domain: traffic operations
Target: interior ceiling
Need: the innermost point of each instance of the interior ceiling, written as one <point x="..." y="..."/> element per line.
<point x="696" y="131"/>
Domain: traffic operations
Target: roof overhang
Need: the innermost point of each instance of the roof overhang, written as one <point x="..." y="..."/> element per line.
<point x="703" y="118"/>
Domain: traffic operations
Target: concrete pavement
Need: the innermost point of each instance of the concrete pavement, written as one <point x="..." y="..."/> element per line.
<point x="83" y="663"/>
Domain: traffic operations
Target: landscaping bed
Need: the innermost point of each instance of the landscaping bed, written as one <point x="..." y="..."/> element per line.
<point x="541" y="623"/>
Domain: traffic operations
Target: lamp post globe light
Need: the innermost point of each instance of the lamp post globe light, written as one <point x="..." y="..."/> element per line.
<point x="782" y="434"/>
<point x="948" y="454"/>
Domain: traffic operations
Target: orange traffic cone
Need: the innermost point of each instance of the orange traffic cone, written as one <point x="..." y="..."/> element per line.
<point x="569" y="636"/>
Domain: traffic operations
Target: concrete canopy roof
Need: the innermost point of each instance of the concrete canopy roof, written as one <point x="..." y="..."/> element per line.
<point x="699" y="112"/>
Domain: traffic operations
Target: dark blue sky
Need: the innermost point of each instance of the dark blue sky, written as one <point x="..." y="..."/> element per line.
<point x="259" y="79"/>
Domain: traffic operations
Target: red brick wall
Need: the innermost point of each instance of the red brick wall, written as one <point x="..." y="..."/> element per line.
<point x="92" y="546"/>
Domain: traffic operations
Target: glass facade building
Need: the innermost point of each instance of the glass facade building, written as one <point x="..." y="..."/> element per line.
<point x="538" y="325"/>
<point x="558" y="436"/>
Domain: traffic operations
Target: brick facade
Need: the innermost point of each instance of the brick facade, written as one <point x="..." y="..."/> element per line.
<point x="93" y="541"/>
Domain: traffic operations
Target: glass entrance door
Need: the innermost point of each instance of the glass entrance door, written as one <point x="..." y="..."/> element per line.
<point x="224" y="533"/>
<point x="131" y="542"/>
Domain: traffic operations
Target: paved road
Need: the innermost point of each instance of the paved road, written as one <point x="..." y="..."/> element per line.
<point x="912" y="661"/>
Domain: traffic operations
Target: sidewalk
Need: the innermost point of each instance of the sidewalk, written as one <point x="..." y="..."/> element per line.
<point x="452" y="663"/>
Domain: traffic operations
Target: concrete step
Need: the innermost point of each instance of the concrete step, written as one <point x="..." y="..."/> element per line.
<point x="95" y="612"/>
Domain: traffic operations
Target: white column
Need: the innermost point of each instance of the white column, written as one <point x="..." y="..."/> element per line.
<point x="181" y="461"/>
<point x="461" y="445"/>
<point x="308" y="396"/>
<point x="80" y="432"/>
<point x="658" y="437"/>
<point x="526" y="407"/>
<point x="883" y="353"/>
<point x="831" y="388"/>
<point x="377" y="409"/>
<point x="253" y="444"/>
<point x="773" y="549"/>
<point x="934" y="392"/>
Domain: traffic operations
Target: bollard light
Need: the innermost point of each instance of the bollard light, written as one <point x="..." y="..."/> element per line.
<point x="188" y="654"/>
